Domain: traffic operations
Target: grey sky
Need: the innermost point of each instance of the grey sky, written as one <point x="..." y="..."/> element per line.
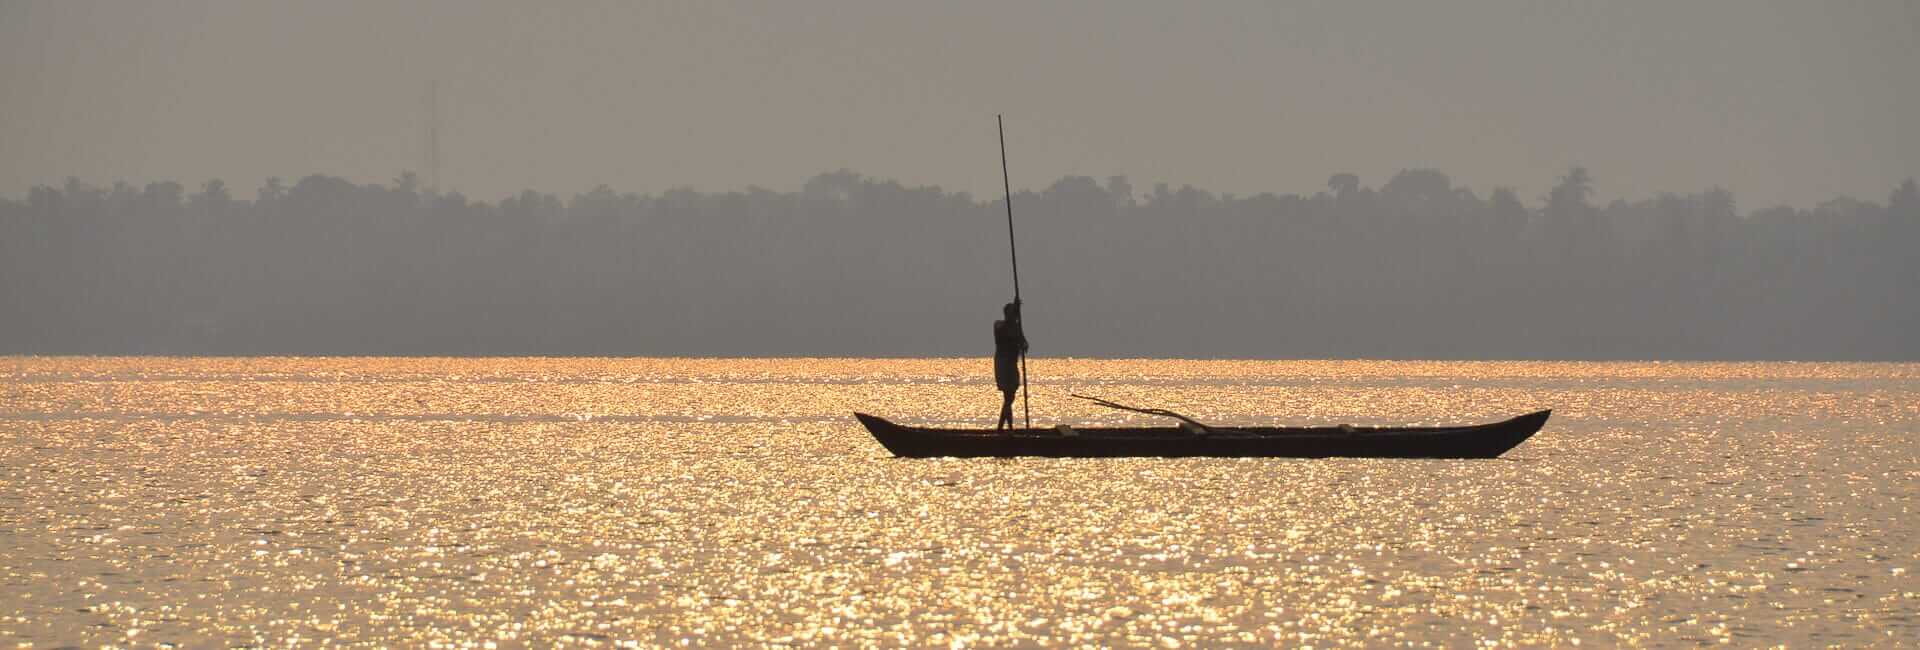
<point x="1778" y="101"/>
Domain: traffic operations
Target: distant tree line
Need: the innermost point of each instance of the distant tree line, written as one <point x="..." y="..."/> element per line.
<point x="849" y="265"/>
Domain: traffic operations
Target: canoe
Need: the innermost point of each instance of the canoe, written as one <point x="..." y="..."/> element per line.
<point x="1476" y="441"/>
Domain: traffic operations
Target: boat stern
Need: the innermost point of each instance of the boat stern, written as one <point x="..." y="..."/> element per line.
<point x="895" y="438"/>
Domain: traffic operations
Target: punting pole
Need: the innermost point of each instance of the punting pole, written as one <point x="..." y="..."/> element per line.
<point x="1026" y="406"/>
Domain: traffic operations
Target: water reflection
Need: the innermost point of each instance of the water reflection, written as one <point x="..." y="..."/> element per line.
<point x="606" y="502"/>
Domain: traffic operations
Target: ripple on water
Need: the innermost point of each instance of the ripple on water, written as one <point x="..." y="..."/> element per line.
<point x="602" y="502"/>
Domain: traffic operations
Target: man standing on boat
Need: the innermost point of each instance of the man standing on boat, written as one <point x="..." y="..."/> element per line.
<point x="1009" y="344"/>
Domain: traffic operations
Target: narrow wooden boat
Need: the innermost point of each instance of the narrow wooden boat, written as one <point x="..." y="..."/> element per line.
<point x="1478" y="441"/>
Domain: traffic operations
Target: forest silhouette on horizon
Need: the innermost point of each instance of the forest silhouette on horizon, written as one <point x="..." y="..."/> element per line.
<point x="1417" y="267"/>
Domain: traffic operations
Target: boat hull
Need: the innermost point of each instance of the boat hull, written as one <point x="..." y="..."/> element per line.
<point x="1479" y="441"/>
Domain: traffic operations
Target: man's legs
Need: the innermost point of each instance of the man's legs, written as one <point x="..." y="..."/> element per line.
<point x="1006" y="411"/>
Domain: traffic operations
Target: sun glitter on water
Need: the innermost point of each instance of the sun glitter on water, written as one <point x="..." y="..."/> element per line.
<point x="649" y="502"/>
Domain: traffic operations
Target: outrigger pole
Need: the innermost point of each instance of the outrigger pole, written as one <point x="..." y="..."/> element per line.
<point x="1026" y="406"/>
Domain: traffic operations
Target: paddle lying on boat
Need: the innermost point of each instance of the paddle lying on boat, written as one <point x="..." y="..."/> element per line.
<point x="1195" y="439"/>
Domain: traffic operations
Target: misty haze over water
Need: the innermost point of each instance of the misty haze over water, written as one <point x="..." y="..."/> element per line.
<point x="1332" y="178"/>
<point x="1415" y="267"/>
<point x="467" y="322"/>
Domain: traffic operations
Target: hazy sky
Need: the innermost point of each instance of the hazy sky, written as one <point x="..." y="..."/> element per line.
<point x="1778" y="101"/>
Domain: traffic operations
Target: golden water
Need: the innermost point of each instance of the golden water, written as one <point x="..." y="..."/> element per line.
<point x="636" y="502"/>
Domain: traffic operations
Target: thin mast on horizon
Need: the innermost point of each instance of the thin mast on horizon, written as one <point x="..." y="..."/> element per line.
<point x="433" y="136"/>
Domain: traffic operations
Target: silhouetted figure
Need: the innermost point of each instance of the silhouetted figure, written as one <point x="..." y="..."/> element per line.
<point x="1009" y="343"/>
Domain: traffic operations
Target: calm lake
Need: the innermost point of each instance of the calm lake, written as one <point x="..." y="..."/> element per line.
<point x="650" y="502"/>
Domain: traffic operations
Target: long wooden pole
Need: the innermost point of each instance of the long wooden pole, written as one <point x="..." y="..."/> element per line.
<point x="1026" y="405"/>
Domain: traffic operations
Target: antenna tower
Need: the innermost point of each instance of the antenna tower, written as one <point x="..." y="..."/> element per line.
<point x="433" y="137"/>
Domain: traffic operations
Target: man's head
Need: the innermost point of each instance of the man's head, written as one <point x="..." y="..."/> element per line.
<point x="1012" y="310"/>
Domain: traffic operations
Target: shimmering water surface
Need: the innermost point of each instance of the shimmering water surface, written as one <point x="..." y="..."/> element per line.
<point x="621" y="502"/>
